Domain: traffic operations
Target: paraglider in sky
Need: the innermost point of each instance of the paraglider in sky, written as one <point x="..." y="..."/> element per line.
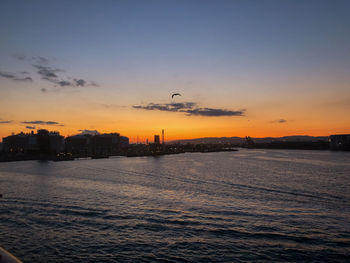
<point x="175" y="94"/>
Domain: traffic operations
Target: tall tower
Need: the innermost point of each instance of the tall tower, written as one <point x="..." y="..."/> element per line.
<point x="163" y="136"/>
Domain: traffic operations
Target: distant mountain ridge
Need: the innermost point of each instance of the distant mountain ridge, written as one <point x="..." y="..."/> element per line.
<point x="240" y="140"/>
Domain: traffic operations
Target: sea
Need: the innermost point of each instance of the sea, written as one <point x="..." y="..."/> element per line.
<point x="245" y="206"/>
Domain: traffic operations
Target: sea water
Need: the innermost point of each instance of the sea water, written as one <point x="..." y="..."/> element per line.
<point x="245" y="206"/>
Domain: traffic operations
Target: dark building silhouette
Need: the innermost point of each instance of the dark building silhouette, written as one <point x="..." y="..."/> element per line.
<point x="340" y="142"/>
<point x="156" y="139"/>
<point x="124" y="142"/>
<point x="78" y="144"/>
<point x="105" y="143"/>
<point x="20" y="143"/>
<point x="43" y="142"/>
<point x="249" y="141"/>
<point x="99" y="144"/>
<point x="51" y="145"/>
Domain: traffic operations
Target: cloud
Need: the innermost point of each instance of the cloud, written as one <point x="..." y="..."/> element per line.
<point x="26" y="79"/>
<point x="84" y="83"/>
<point x="35" y="59"/>
<point x="4" y="122"/>
<point x="31" y="127"/>
<point x="111" y="106"/>
<point x="19" y="57"/>
<point x="52" y="75"/>
<point x="80" y="82"/>
<point x="64" y="83"/>
<point x="93" y="84"/>
<point x="46" y="72"/>
<point x="13" y="77"/>
<point x="191" y="109"/>
<point x="43" y="89"/>
<point x="40" y="60"/>
<point x="174" y="107"/>
<point x="280" y="121"/>
<point x="90" y="132"/>
<point x="208" y="112"/>
<point x="43" y="122"/>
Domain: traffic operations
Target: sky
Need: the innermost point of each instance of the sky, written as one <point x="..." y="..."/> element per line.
<point x="243" y="68"/>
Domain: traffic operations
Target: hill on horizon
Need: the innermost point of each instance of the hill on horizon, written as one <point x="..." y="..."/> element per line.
<point x="241" y="140"/>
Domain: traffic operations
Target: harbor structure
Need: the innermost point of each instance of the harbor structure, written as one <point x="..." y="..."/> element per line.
<point x="340" y="142"/>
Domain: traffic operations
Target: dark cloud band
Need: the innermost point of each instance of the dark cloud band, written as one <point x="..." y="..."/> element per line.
<point x="174" y="107"/>
<point x="280" y="121"/>
<point x="14" y="77"/>
<point x="4" y="122"/>
<point x="191" y="109"/>
<point x="47" y="73"/>
<point x="208" y="112"/>
<point x="43" y="122"/>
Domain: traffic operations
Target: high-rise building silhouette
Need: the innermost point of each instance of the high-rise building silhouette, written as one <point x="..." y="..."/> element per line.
<point x="156" y="139"/>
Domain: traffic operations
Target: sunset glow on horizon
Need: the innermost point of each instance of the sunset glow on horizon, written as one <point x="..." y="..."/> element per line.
<point x="261" y="70"/>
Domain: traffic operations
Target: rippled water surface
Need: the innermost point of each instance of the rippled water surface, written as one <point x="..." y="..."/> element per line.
<point x="250" y="205"/>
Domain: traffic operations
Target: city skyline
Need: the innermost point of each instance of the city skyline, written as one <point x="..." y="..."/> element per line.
<point x="257" y="68"/>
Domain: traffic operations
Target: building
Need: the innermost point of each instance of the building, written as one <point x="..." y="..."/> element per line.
<point x="340" y="142"/>
<point x="56" y="142"/>
<point x="20" y="143"/>
<point x="43" y="142"/>
<point x="156" y="139"/>
<point x="124" y="142"/>
<point x="78" y="144"/>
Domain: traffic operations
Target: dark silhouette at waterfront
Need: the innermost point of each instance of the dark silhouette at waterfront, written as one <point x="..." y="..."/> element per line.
<point x="46" y="145"/>
<point x="50" y="145"/>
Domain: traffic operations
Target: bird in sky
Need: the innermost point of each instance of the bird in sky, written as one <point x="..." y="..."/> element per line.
<point x="175" y="94"/>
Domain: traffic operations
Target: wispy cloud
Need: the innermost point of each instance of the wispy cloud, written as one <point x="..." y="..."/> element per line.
<point x="40" y="60"/>
<point x="47" y="72"/>
<point x="191" y="109"/>
<point x="53" y="75"/>
<point x="31" y="127"/>
<point x="33" y="59"/>
<point x="4" y="122"/>
<point x="209" y="112"/>
<point x="80" y="82"/>
<point x="90" y="132"/>
<point x="19" y="56"/>
<point x="279" y="121"/>
<point x="65" y="83"/>
<point x="174" y="107"/>
<point x="15" y="77"/>
<point x="111" y="106"/>
<point x="43" y="123"/>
